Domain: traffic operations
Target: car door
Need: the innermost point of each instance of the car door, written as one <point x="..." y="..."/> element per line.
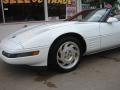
<point x="110" y="34"/>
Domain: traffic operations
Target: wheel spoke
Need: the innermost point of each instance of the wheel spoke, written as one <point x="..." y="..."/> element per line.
<point x="60" y="50"/>
<point x="61" y="57"/>
<point x="64" y="63"/>
<point x="66" y="47"/>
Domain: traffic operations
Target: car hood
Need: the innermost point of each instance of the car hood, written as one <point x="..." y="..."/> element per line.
<point x="26" y="34"/>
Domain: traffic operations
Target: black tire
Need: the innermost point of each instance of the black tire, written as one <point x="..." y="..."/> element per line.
<point x="52" y="57"/>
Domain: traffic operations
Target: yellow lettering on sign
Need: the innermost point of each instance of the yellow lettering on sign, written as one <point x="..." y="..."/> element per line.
<point x="37" y="1"/>
<point x="13" y="1"/>
<point x="5" y="1"/>
<point x="20" y="1"/>
<point x="27" y="1"/>
<point x="54" y="1"/>
<point x="64" y="2"/>
<point x="34" y="1"/>
<point x="69" y="2"/>
<point x="60" y="1"/>
<point x="49" y="1"/>
<point x="40" y="1"/>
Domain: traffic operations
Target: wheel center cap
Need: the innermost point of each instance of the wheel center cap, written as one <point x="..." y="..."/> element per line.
<point x="68" y="55"/>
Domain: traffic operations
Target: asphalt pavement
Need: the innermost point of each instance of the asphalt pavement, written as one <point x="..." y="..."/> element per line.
<point x="96" y="72"/>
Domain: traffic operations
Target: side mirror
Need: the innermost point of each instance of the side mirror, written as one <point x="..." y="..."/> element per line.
<point x="112" y="19"/>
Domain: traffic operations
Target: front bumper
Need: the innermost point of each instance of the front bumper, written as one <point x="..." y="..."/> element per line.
<point x="36" y="60"/>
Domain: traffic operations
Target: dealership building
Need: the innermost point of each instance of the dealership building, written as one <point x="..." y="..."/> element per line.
<point x="36" y="10"/>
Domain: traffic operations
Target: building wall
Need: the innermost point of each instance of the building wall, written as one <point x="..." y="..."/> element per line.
<point x="32" y="10"/>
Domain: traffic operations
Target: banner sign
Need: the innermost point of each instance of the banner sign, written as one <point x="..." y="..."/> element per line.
<point x="71" y="9"/>
<point x="37" y="1"/>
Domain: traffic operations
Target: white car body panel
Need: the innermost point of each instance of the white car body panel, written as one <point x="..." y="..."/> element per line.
<point x="38" y="60"/>
<point x="110" y="34"/>
<point x="31" y="38"/>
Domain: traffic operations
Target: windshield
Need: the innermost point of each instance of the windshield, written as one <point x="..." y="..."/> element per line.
<point x="96" y="15"/>
<point x="93" y="16"/>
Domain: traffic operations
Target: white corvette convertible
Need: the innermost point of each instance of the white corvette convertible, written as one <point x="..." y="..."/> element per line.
<point x="61" y="45"/>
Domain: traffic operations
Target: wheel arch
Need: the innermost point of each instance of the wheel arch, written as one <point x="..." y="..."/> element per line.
<point x="77" y="36"/>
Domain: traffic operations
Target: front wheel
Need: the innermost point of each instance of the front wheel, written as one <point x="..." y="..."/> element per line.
<point x="65" y="54"/>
